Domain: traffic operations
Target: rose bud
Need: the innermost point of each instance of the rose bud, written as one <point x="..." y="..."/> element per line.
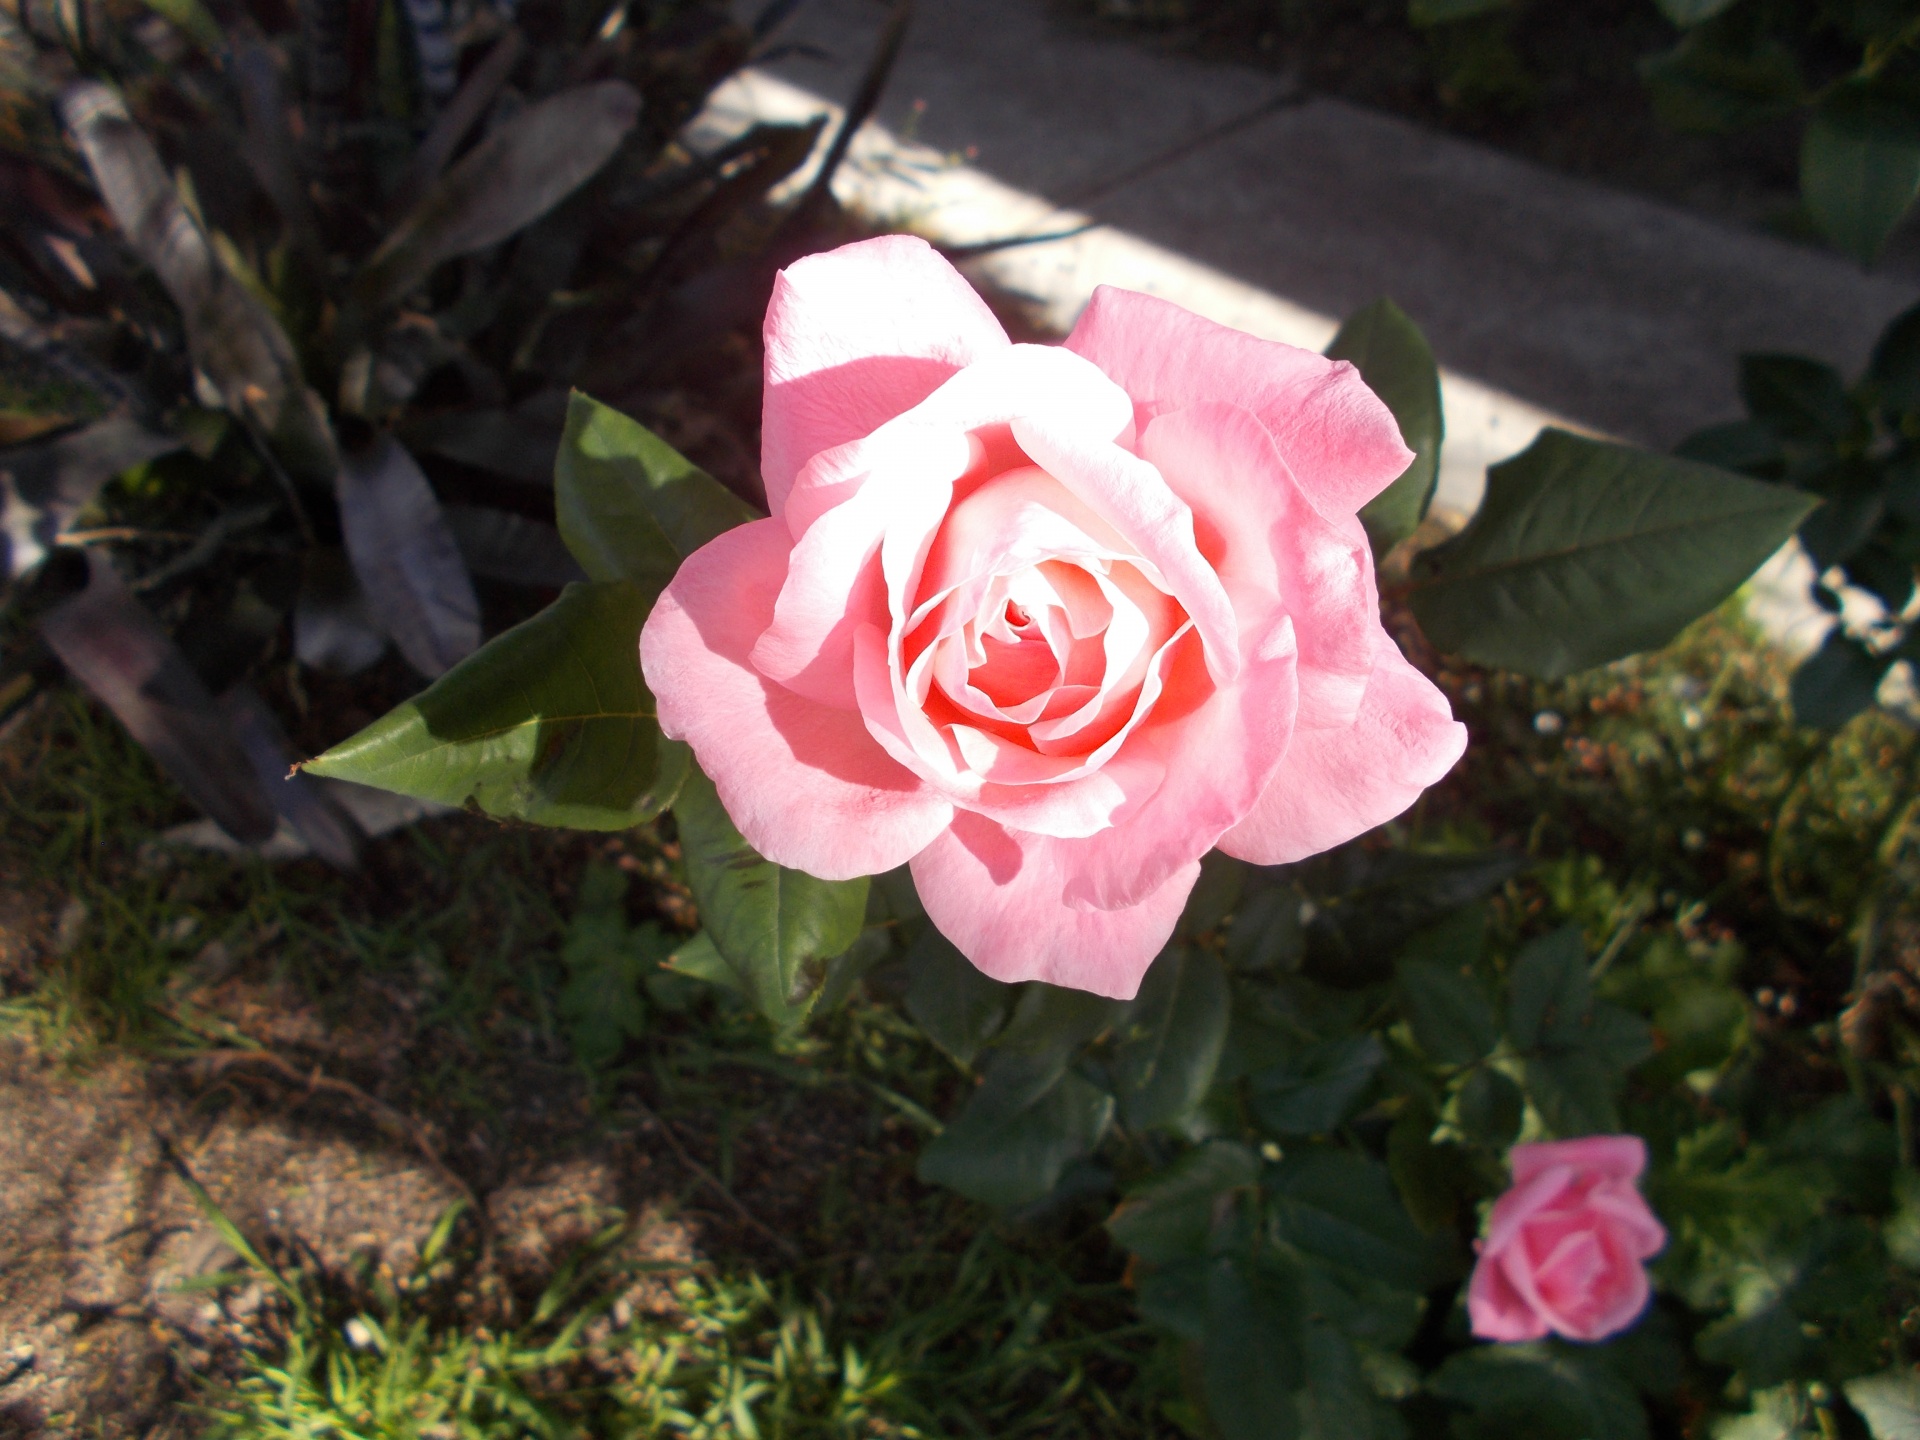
<point x="1566" y="1247"/>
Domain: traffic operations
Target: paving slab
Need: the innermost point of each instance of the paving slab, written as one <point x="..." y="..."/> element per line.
<point x="1591" y="303"/>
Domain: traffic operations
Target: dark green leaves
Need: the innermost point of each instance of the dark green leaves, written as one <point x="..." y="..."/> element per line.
<point x="1545" y="1392"/>
<point x="1171" y="1215"/>
<point x="1585" y="551"/>
<point x="1490" y="1108"/>
<point x="550" y="722"/>
<point x="1860" y="165"/>
<point x="959" y="1008"/>
<point x="630" y="507"/>
<point x="1032" y="1115"/>
<point x="1576" y="1048"/>
<point x="1393" y="357"/>
<point x="1795" y="398"/>
<point x="1342" y="1208"/>
<point x="1450" y="1014"/>
<point x="1252" y="1360"/>
<point x="1837" y="681"/>
<point x="1170" y="1039"/>
<point x="1311" y="1092"/>
<point x="776" y="927"/>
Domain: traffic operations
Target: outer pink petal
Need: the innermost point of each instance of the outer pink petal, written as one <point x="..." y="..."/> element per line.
<point x="1336" y="784"/>
<point x="1496" y="1309"/>
<point x="998" y="896"/>
<point x="1341" y="442"/>
<point x="855" y="337"/>
<point x="805" y="783"/>
<point x="1618" y="1157"/>
<point x="1273" y="549"/>
<point x="1628" y="1303"/>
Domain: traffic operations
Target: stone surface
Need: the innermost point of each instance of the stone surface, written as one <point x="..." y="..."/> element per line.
<point x="1616" y="311"/>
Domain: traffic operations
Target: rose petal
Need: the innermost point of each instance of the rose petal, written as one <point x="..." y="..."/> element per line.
<point x="1336" y="784"/>
<point x="1069" y="796"/>
<point x="1220" y="757"/>
<point x="805" y="783"/>
<point x="997" y="894"/>
<point x="1621" y="1157"/>
<point x="1496" y="1309"/>
<point x="1340" y="441"/>
<point x="1133" y="497"/>
<point x="1271" y="547"/>
<point x="855" y="337"/>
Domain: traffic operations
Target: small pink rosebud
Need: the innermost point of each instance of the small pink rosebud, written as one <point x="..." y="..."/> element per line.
<point x="1567" y="1246"/>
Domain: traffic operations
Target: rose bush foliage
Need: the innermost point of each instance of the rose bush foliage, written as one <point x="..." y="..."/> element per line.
<point x="1046" y="624"/>
<point x="1028" y="632"/>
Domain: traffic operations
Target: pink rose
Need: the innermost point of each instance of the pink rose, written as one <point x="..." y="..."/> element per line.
<point x="1045" y="622"/>
<point x="1567" y="1245"/>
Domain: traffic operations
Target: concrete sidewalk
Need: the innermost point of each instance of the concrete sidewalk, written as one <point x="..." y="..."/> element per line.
<point x="1598" y="305"/>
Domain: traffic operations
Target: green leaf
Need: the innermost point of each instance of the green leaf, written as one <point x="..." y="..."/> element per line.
<point x="776" y="927"/>
<point x="1174" y="1297"/>
<point x="1889" y="1403"/>
<point x="1342" y="1207"/>
<point x="1860" y="165"/>
<point x="1030" y="1119"/>
<point x="1490" y="1108"/>
<point x="1170" y="1040"/>
<point x="1312" y="1092"/>
<point x="1742" y="445"/>
<point x="1337" y="1402"/>
<point x="1548" y="990"/>
<point x="1576" y="1049"/>
<point x="1707" y="86"/>
<point x="607" y="963"/>
<point x="1544" y="1392"/>
<point x="1796" y="398"/>
<point x="1435" y="1179"/>
<point x="1451" y="1016"/>
<point x="957" y="1007"/>
<point x="700" y="959"/>
<point x="1584" y="551"/>
<point x="1170" y="1215"/>
<point x="1393" y="357"/>
<point x="1895" y="368"/>
<point x="630" y="506"/>
<point x="1251" y="1361"/>
<point x="1358" y="932"/>
<point x="1265" y="932"/>
<point x="1838" y="681"/>
<point x="1010" y="1146"/>
<point x="550" y="723"/>
<point x="1691" y="12"/>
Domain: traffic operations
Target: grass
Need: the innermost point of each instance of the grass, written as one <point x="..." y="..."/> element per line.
<point x="434" y="981"/>
<point x="833" y="1295"/>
